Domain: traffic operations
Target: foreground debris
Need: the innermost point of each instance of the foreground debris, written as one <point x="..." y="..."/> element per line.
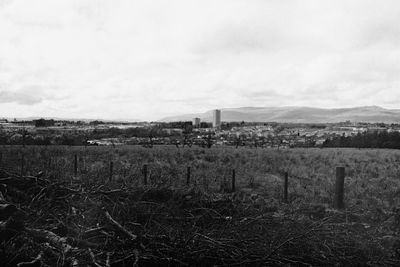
<point x="46" y="223"/>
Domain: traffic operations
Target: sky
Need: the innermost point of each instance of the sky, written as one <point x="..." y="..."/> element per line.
<point x="145" y="60"/>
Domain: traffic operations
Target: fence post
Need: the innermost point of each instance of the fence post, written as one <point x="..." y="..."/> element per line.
<point x="188" y="176"/>
<point x="76" y="165"/>
<point x="339" y="188"/>
<point x="145" y="174"/>
<point x="22" y="164"/>
<point x="111" y="170"/>
<point x="285" y="188"/>
<point x="233" y="180"/>
<point x="1" y="158"/>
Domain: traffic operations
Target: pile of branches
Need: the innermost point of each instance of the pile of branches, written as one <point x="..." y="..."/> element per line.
<point x="53" y="223"/>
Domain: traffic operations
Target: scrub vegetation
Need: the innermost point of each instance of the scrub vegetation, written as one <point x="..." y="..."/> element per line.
<point x="103" y="209"/>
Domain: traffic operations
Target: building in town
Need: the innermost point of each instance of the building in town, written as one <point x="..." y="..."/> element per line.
<point x="216" y="122"/>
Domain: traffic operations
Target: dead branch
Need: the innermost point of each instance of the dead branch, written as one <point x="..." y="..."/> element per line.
<point x="108" y="260"/>
<point x="50" y="237"/>
<point x="80" y="243"/>
<point x="119" y="226"/>
<point x="93" y="257"/>
<point x="35" y="262"/>
<point x="92" y="232"/>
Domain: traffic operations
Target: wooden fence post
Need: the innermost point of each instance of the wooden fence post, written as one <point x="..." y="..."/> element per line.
<point x="188" y="176"/>
<point x="145" y="174"/>
<point x="233" y="180"/>
<point x="22" y="164"/>
<point x="339" y="188"/>
<point x="285" y="188"/>
<point x="76" y="165"/>
<point x="111" y="170"/>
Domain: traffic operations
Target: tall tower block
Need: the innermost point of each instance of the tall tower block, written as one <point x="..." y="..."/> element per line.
<point x="216" y="122"/>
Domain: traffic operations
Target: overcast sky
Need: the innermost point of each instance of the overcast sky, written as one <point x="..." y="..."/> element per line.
<point x="151" y="59"/>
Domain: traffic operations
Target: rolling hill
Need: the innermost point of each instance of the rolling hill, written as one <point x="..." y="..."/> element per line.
<point x="298" y="114"/>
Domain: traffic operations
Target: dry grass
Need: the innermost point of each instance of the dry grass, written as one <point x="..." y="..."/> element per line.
<point x="65" y="222"/>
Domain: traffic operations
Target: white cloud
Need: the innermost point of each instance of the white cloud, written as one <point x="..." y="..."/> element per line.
<point x="22" y="97"/>
<point x="147" y="60"/>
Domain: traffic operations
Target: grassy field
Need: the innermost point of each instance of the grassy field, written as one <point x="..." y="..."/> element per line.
<point x="372" y="176"/>
<point x="204" y="223"/>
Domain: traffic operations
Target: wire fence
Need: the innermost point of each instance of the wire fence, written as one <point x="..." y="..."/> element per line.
<point x="91" y="168"/>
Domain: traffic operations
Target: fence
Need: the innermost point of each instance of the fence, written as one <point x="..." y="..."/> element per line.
<point x="77" y="166"/>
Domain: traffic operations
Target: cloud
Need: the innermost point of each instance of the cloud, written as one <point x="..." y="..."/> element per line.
<point x="239" y="38"/>
<point x="148" y="60"/>
<point x="25" y="96"/>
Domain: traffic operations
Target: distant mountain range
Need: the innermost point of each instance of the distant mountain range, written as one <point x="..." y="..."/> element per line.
<point x="298" y="114"/>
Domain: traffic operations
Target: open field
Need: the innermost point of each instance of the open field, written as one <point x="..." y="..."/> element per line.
<point x="168" y="222"/>
<point x="372" y="176"/>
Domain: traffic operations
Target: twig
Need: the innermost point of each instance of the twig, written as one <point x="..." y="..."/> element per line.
<point x="93" y="257"/>
<point x="119" y="226"/>
<point x="108" y="259"/>
<point x="52" y="238"/>
<point x="296" y="237"/>
<point x="33" y="262"/>
<point x="135" y="253"/>
<point x="91" y="232"/>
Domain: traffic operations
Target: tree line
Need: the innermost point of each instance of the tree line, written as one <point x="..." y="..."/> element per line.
<point x="366" y="140"/>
